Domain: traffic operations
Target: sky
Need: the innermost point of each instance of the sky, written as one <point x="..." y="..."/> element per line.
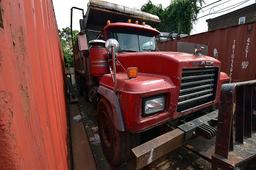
<point x="62" y="10"/>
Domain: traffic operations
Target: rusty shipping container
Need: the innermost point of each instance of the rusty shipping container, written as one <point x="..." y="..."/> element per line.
<point x="235" y="47"/>
<point x="33" y="128"/>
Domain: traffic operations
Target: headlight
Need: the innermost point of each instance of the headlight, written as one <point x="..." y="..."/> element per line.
<point x="153" y="104"/>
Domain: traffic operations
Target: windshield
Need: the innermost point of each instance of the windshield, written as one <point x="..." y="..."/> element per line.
<point x="132" y="41"/>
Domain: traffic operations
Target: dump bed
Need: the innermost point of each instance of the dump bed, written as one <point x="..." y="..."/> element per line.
<point x="99" y="12"/>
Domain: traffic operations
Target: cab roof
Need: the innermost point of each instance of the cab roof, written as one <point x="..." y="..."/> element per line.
<point x="124" y="25"/>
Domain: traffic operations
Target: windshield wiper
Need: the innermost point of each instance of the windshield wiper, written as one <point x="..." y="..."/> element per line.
<point x="148" y="50"/>
<point x="125" y="50"/>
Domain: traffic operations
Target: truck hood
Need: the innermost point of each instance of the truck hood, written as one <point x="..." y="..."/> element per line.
<point x="164" y="63"/>
<point x="174" y="56"/>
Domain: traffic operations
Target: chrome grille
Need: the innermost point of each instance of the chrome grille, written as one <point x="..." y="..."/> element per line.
<point x="198" y="86"/>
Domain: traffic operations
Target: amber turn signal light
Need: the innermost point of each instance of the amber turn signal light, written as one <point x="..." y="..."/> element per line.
<point x="132" y="72"/>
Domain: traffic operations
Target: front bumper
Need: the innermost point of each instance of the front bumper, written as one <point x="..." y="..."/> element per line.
<point x="152" y="150"/>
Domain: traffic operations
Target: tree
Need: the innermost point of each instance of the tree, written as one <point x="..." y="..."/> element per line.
<point x="66" y="43"/>
<point x="156" y="10"/>
<point x="177" y="17"/>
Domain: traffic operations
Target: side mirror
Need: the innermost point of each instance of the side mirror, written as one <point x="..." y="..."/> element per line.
<point x="112" y="44"/>
<point x="198" y="51"/>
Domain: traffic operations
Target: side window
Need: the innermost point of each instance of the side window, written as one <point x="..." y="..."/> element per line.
<point x="147" y="43"/>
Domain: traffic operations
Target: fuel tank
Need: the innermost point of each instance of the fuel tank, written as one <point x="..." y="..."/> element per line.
<point x="98" y="58"/>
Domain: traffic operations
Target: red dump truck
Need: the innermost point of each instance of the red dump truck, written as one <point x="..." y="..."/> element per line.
<point x="138" y="89"/>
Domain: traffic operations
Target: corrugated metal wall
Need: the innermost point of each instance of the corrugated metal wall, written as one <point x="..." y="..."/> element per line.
<point x="235" y="47"/>
<point x="33" y="128"/>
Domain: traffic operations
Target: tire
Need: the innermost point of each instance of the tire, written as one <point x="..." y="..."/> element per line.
<point x="79" y="85"/>
<point x="116" y="145"/>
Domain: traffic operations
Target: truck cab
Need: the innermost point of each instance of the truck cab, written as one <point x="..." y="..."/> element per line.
<point x="135" y="86"/>
<point x="184" y="83"/>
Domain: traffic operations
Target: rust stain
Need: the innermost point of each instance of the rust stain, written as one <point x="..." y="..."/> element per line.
<point x="25" y="99"/>
<point x="6" y="134"/>
<point x="1" y="16"/>
<point x="21" y="54"/>
<point x="18" y="42"/>
<point x="1" y="61"/>
<point x="4" y="101"/>
<point x="6" y="113"/>
<point x="6" y="157"/>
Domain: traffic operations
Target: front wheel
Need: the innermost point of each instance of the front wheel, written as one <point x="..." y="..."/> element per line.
<point x="116" y="145"/>
<point x="79" y="84"/>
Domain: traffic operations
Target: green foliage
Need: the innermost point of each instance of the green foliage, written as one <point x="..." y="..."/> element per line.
<point x="177" y="17"/>
<point x="159" y="11"/>
<point x="65" y="38"/>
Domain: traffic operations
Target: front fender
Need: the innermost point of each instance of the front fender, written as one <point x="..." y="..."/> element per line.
<point x="224" y="78"/>
<point x="113" y="99"/>
<point x="130" y="95"/>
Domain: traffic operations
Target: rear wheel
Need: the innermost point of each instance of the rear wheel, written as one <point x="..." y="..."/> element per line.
<point x="116" y="145"/>
<point x="79" y="85"/>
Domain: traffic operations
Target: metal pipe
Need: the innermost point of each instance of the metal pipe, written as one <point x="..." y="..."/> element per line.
<point x="71" y="22"/>
<point x="114" y="66"/>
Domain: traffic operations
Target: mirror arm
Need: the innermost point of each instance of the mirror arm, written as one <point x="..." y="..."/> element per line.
<point x="114" y="67"/>
<point x="112" y="46"/>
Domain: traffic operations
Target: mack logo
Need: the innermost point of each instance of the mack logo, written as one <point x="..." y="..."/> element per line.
<point x="206" y="63"/>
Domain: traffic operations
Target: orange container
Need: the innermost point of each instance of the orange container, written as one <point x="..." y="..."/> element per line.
<point x="234" y="46"/>
<point x="33" y="123"/>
